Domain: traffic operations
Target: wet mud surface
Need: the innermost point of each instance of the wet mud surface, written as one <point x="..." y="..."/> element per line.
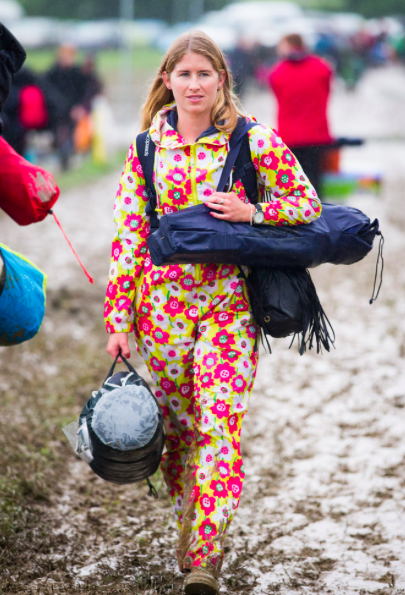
<point x="323" y="503"/>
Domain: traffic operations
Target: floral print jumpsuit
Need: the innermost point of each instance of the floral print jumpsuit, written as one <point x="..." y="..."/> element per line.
<point x="193" y="323"/>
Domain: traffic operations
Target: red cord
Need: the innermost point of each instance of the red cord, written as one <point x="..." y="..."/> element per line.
<point x="71" y="247"/>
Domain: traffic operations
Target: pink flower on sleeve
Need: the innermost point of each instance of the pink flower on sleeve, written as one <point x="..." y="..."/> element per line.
<point x="107" y="309"/>
<point x="275" y="139"/>
<point x="122" y="303"/>
<point x="288" y="158"/>
<point x="269" y="160"/>
<point x="224" y="469"/>
<point x="116" y="250"/>
<point x="126" y="283"/>
<point x="112" y="291"/>
<point x="285" y="178"/>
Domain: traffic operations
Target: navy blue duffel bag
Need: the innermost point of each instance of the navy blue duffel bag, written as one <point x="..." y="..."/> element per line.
<point x="282" y="294"/>
<point x="341" y="235"/>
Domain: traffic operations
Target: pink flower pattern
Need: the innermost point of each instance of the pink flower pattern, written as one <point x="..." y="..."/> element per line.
<point x="197" y="339"/>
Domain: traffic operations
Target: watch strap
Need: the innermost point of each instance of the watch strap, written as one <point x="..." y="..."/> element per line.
<point x="258" y="210"/>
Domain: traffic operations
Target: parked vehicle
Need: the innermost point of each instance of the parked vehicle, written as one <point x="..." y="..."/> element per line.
<point x="38" y="32"/>
<point x="10" y="11"/>
<point x="171" y="33"/>
<point x="94" y="35"/>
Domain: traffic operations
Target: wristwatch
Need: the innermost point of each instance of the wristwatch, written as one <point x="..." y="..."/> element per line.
<point x="258" y="217"/>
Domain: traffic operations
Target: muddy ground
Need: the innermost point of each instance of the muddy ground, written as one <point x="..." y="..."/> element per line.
<point x="323" y="506"/>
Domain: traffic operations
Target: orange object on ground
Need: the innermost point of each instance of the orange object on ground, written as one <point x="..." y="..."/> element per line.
<point x="83" y="134"/>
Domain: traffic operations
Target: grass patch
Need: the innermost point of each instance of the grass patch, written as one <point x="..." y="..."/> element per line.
<point x="107" y="61"/>
<point x="37" y="401"/>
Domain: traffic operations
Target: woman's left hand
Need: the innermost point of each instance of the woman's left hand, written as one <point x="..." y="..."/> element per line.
<point x="233" y="209"/>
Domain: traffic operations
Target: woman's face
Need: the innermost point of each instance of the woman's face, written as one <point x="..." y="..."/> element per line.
<point x="195" y="83"/>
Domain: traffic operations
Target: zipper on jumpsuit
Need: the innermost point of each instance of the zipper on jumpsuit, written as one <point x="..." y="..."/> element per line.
<point x="197" y="267"/>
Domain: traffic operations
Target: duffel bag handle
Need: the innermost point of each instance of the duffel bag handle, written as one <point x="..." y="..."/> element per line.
<point x="126" y="362"/>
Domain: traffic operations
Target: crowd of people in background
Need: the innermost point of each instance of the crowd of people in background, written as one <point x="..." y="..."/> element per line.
<point x="349" y="57"/>
<point x="59" y="101"/>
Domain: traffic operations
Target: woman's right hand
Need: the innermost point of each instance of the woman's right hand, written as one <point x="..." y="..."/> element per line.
<point x="118" y="342"/>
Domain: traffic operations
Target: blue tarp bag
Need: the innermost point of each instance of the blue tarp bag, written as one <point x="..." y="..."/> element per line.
<point x="22" y="297"/>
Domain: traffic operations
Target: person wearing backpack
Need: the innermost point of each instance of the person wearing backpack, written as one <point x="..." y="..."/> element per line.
<point x="193" y="323"/>
<point x="25" y="109"/>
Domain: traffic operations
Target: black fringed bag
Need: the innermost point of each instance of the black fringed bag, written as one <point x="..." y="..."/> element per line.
<point x="284" y="302"/>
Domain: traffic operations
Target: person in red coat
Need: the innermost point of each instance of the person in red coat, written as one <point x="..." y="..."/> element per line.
<point x="301" y="83"/>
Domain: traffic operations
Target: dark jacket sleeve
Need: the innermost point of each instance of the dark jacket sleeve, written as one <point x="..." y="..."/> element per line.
<point x="12" y="56"/>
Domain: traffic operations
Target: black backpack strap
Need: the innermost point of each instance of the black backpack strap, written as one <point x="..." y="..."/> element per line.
<point x="145" y="149"/>
<point x="240" y="157"/>
<point x="245" y="171"/>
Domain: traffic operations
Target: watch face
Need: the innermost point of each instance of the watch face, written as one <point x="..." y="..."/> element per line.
<point x="258" y="217"/>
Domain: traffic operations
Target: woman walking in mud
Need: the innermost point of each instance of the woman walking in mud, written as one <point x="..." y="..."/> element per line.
<point x="193" y="323"/>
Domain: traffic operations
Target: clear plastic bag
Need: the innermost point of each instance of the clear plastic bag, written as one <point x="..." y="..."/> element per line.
<point x="79" y="440"/>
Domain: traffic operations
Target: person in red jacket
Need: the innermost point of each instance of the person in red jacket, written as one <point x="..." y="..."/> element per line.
<point x="301" y="83"/>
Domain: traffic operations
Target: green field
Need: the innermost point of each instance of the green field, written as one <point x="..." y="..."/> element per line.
<point x="107" y="61"/>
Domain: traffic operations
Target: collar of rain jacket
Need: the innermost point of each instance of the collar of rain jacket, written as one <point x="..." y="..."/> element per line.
<point x="163" y="131"/>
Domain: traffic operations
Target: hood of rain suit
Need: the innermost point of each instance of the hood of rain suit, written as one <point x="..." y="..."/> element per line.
<point x="12" y="57"/>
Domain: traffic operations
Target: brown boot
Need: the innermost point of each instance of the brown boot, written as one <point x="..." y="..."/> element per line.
<point x="200" y="582"/>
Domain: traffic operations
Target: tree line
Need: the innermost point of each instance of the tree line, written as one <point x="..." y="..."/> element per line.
<point x="168" y="10"/>
<point x="173" y="10"/>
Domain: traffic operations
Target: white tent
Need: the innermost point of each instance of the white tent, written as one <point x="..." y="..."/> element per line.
<point x="10" y="11"/>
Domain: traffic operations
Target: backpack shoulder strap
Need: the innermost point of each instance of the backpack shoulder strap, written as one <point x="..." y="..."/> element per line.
<point x="145" y="149"/>
<point x="245" y="171"/>
<point x="239" y="156"/>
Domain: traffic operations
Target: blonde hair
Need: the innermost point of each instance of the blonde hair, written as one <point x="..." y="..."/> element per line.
<point x="225" y="111"/>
